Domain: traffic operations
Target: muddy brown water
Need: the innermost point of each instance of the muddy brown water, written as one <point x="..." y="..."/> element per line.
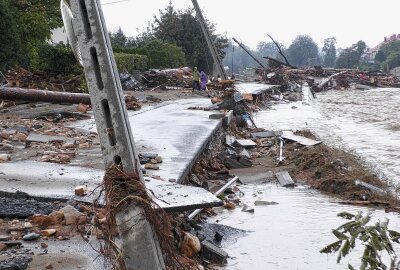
<point x="290" y="234"/>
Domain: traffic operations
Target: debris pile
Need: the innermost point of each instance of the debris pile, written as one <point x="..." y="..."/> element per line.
<point x="180" y="77"/>
<point x="321" y="79"/>
<point x="23" y="78"/>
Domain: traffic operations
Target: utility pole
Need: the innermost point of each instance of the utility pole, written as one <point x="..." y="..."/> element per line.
<point x="140" y="245"/>
<point x="248" y="52"/>
<point x="211" y="46"/>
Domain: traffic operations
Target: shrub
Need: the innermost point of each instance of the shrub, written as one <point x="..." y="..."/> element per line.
<point x="127" y="62"/>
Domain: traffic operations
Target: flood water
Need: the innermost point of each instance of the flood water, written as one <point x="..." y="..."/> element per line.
<point x="290" y="234"/>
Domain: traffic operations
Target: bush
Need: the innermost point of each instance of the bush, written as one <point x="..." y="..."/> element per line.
<point x="127" y="62"/>
<point x="56" y="59"/>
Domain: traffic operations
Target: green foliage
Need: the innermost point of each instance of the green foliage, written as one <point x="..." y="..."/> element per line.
<point x="56" y="59"/>
<point x="389" y="55"/>
<point x="380" y="56"/>
<point x="159" y="54"/>
<point x="182" y="28"/>
<point x="329" y="51"/>
<point x="130" y="62"/>
<point x="350" y="57"/>
<point x="35" y="19"/>
<point x="375" y="238"/>
<point x="303" y="52"/>
<point x="118" y="39"/>
<point x="10" y="43"/>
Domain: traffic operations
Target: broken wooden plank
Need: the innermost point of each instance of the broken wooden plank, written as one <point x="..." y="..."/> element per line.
<point x="284" y="179"/>
<point x="35" y="137"/>
<point x="289" y="135"/>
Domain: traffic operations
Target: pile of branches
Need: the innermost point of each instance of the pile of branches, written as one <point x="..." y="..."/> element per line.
<point x="23" y="78"/>
<point x="179" y="77"/>
<point x="321" y="79"/>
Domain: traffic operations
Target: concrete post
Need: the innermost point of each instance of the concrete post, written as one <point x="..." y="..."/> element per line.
<point x="218" y="66"/>
<point x="139" y="242"/>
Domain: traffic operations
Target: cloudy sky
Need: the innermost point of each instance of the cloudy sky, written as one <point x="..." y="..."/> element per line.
<point x="251" y="20"/>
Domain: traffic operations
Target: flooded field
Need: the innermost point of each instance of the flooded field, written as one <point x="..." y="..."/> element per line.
<point x="290" y="234"/>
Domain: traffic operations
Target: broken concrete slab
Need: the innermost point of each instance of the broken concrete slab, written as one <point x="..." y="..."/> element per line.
<point x="174" y="197"/>
<point x="59" y="181"/>
<point x="229" y="139"/>
<point x="244" y="143"/>
<point x="289" y="135"/>
<point x="266" y="134"/>
<point x="253" y="175"/>
<point x="35" y="137"/>
<point x="213" y="253"/>
<point x="284" y="179"/>
<point x="179" y="146"/>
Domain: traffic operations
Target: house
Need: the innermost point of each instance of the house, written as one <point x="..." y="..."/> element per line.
<point x="370" y="53"/>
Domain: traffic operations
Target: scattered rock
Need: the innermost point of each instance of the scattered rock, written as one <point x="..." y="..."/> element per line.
<point x="49" y="266"/>
<point x="264" y="203"/>
<point x="57" y="217"/>
<point x="83" y="108"/>
<point x="84" y="145"/>
<point x="4" y="237"/>
<point x="247" y="208"/>
<point x="30" y="237"/>
<point x="6" y="147"/>
<point x="150" y="166"/>
<point x="159" y="159"/>
<point x="71" y="215"/>
<point x="49" y="232"/>
<point x="4" y="157"/>
<point x="213" y="253"/>
<point x="42" y="220"/>
<point x="44" y="245"/>
<point x="28" y="225"/>
<point x="190" y="245"/>
<point x="153" y="161"/>
<point x="3" y="247"/>
<point x="21" y="137"/>
<point x="218" y="236"/>
<point x="229" y="205"/>
<point x="81" y="190"/>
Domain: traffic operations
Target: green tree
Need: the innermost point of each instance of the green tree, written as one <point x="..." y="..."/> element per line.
<point x="34" y="20"/>
<point x="118" y="39"/>
<point x="350" y="57"/>
<point x="182" y="28"/>
<point x="10" y="43"/>
<point x="329" y="51"/>
<point x="268" y="49"/>
<point x="380" y="56"/>
<point x="303" y="52"/>
<point x="390" y="56"/>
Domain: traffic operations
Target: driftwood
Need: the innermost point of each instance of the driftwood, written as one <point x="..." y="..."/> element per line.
<point x="14" y="93"/>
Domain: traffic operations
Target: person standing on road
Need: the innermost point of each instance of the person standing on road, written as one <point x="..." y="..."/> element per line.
<point x="203" y="80"/>
<point x="196" y="79"/>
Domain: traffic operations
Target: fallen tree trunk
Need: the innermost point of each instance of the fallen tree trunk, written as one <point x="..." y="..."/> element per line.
<point x="35" y="95"/>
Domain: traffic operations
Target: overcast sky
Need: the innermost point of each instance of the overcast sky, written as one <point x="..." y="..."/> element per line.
<point x="251" y="20"/>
